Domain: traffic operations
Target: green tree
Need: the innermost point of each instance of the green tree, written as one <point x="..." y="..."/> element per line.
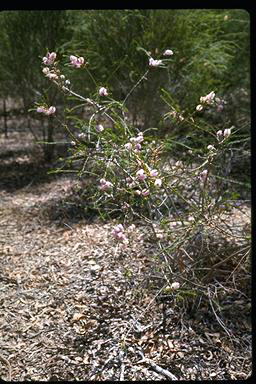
<point x="25" y="38"/>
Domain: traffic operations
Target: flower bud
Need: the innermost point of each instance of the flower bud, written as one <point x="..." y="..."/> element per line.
<point x="168" y="52"/>
<point x="227" y="133"/>
<point x="99" y="128"/>
<point x="219" y="135"/>
<point x="145" y="192"/>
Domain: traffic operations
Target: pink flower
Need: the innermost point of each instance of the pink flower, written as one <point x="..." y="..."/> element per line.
<point x="46" y="111"/>
<point x="154" y="63"/>
<point x="105" y="185"/>
<point x="40" y="109"/>
<point x="128" y="146"/>
<point x="49" y="58"/>
<point x="158" y="183"/>
<point x="103" y="91"/>
<point x="153" y="172"/>
<point x="168" y="52"/>
<point x="76" y="62"/>
<point x="141" y="175"/>
<point x="51" y="110"/>
<point x="139" y="138"/>
<point x="137" y="147"/>
<point x="175" y="285"/>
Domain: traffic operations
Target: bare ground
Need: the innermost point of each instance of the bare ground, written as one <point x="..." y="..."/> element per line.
<point x="73" y="306"/>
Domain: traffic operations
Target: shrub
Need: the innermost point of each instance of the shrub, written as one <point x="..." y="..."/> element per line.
<point x="182" y="205"/>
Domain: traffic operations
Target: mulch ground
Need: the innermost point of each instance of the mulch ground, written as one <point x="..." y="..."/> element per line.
<point x="74" y="306"/>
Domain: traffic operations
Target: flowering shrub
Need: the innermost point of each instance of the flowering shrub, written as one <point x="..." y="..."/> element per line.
<point x="134" y="181"/>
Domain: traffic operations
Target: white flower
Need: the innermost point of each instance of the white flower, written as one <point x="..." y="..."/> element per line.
<point x="131" y="228"/>
<point x="45" y="70"/>
<point x="154" y="63"/>
<point x="227" y="133"/>
<point x="168" y="52"/>
<point x="99" y="128"/>
<point x="199" y="107"/>
<point x="158" y="183"/>
<point x="52" y="76"/>
<point x="211" y="148"/>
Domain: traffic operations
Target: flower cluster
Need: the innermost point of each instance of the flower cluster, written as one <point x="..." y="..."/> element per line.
<point x="47" y="111"/>
<point x="206" y="100"/>
<point x="135" y="142"/>
<point x="54" y="73"/>
<point x="210" y="99"/>
<point x="222" y="135"/>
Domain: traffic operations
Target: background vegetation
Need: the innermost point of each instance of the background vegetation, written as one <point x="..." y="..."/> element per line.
<point x="211" y="52"/>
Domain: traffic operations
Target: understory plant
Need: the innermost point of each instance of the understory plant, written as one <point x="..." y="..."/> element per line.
<point x="182" y="207"/>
